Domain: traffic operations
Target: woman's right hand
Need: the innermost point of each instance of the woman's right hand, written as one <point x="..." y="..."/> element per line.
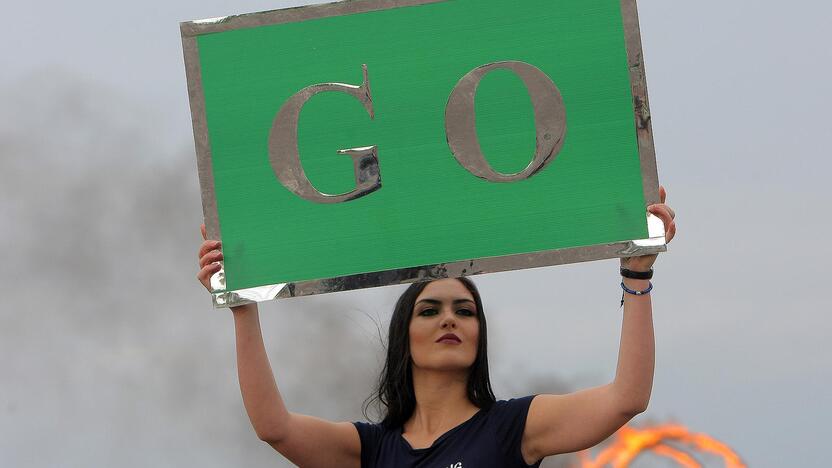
<point x="210" y="256"/>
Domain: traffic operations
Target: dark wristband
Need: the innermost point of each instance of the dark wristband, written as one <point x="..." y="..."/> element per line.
<point x="638" y="275"/>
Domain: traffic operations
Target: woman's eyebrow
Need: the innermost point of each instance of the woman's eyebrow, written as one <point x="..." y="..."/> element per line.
<point x="436" y="301"/>
<point x="430" y="301"/>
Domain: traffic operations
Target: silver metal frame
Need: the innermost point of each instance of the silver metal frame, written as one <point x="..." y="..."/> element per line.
<point x="647" y="155"/>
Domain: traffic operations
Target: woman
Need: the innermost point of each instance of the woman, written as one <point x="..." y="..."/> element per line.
<point x="440" y="410"/>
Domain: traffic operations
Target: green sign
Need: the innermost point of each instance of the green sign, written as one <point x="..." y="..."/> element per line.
<point x="370" y="142"/>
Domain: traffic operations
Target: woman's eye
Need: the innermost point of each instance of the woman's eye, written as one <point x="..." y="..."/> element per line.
<point x="427" y="312"/>
<point x="465" y="312"/>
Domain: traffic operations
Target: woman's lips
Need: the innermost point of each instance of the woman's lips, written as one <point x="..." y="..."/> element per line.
<point x="449" y="338"/>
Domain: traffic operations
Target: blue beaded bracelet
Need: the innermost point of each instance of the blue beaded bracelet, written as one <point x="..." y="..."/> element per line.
<point x="634" y="292"/>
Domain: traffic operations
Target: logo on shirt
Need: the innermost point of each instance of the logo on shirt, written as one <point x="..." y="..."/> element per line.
<point x="455" y="465"/>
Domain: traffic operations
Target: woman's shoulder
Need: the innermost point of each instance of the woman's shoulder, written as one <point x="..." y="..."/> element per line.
<point x="373" y="437"/>
<point x="372" y="433"/>
<point x="370" y="428"/>
<point x="507" y="420"/>
<point x="512" y="406"/>
<point x="508" y="417"/>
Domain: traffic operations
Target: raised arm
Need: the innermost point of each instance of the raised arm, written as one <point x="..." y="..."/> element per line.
<point x="577" y="421"/>
<point x="305" y="440"/>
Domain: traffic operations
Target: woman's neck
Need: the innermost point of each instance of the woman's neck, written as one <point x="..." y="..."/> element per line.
<point x="441" y="402"/>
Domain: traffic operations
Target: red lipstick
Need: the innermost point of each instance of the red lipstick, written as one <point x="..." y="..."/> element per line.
<point x="449" y="338"/>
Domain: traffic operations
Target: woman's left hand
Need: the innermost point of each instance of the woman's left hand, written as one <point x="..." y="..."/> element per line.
<point x="666" y="214"/>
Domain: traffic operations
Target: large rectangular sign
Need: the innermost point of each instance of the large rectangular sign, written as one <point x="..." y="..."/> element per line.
<point x="373" y="142"/>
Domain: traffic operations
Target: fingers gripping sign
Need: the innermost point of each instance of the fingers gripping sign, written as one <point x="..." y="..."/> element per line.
<point x="210" y="256"/>
<point x="666" y="214"/>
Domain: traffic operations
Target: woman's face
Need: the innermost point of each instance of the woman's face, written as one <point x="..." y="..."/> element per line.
<point x="444" y="329"/>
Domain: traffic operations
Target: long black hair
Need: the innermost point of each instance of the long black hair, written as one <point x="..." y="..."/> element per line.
<point x="395" y="394"/>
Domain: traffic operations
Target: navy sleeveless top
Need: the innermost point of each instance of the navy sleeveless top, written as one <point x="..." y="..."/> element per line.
<point x="490" y="439"/>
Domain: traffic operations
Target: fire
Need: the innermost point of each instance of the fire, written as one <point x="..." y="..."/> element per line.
<point x="630" y="442"/>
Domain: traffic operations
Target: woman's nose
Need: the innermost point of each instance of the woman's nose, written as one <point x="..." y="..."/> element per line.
<point x="448" y="322"/>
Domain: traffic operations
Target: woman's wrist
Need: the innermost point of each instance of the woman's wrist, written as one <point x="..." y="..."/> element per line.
<point x="636" y="284"/>
<point x="244" y="309"/>
<point x="637" y="273"/>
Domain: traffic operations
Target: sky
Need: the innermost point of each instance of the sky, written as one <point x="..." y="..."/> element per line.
<point x="113" y="356"/>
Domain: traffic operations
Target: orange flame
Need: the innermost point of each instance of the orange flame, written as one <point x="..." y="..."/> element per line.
<point x="630" y="442"/>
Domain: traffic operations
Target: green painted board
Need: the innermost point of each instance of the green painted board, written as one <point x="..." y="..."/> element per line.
<point x="430" y="210"/>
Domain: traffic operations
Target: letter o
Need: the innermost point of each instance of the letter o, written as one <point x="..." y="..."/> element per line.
<point x="549" y="119"/>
